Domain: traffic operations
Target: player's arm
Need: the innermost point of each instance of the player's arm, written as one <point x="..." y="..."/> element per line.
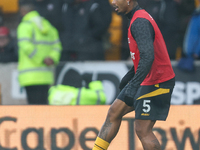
<point x="128" y="76"/>
<point x="143" y="33"/>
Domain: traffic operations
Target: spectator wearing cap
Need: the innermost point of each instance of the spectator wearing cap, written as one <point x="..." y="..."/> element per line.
<point x="8" y="48"/>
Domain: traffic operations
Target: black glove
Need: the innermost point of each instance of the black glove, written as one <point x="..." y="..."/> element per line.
<point x="129" y="75"/>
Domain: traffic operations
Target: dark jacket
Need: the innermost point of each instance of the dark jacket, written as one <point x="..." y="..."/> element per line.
<point x="9" y="53"/>
<point x="51" y="10"/>
<point x="84" y="28"/>
<point x="166" y="16"/>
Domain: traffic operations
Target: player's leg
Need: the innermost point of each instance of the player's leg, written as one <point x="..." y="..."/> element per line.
<point x="111" y="125"/>
<point x="144" y="132"/>
<point x="152" y="103"/>
<point x="113" y="120"/>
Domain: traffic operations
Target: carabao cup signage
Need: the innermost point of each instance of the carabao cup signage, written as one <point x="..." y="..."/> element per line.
<point x="76" y="127"/>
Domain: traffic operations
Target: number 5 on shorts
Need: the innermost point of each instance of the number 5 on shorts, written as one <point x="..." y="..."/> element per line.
<point x="146" y="106"/>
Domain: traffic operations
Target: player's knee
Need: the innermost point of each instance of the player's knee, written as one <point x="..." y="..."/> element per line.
<point x="113" y="114"/>
<point x="140" y="131"/>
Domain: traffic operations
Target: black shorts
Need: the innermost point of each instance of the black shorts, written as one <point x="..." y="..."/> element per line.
<point x="152" y="102"/>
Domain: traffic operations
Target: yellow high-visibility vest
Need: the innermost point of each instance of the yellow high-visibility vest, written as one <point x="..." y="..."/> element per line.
<point x="69" y="95"/>
<point x="37" y="39"/>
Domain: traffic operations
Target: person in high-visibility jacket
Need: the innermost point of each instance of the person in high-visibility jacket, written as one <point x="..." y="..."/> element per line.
<point x="69" y="95"/>
<point x="39" y="51"/>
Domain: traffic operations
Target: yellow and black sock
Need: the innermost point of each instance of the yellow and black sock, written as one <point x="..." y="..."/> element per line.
<point x="100" y="144"/>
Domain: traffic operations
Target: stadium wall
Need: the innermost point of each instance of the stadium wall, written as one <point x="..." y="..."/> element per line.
<point x="186" y="90"/>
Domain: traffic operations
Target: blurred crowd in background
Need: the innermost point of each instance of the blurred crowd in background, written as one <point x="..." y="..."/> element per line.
<point x="92" y="30"/>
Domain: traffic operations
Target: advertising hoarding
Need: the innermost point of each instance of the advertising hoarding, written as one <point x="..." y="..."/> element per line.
<point x="76" y="127"/>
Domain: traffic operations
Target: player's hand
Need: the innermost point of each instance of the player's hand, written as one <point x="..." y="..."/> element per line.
<point x="48" y="61"/>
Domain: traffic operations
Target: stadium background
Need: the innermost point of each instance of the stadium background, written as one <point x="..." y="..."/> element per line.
<point x="24" y="127"/>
